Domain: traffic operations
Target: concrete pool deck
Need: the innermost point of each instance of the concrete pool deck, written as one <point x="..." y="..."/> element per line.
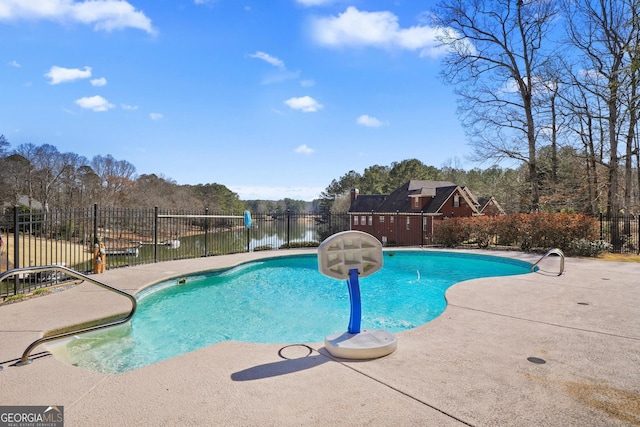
<point x="528" y="350"/>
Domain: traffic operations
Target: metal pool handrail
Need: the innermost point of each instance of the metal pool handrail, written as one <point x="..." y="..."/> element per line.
<point x="24" y="360"/>
<point x="554" y="251"/>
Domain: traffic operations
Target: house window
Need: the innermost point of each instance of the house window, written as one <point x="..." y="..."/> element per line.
<point x="381" y="219"/>
<point x="456" y="201"/>
<point x="391" y="219"/>
<point x="363" y="220"/>
<point x="424" y="224"/>
<point x="355" y="220"/>
<point x="408" y="223"/>
<point x="416" y="202"/>
<point x="370" y="219"/>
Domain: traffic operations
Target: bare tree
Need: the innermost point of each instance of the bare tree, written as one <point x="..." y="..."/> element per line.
<point x="70" y="188"/>
<point x="28" y="152"/>
<point x="497" y="50"/>
<point x="605" y="34"/>
<point x="151" y="190"/>
<point x="49" y="164"/>
<point x="14" y="171"/>
<point x="116" y="178"/>
<point x="4" y="144"/>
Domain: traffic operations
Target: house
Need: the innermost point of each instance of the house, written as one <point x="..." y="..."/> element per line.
<point x="490" y="206"/>
<point x="23" y="200"/>
<point x="409" y="214"/>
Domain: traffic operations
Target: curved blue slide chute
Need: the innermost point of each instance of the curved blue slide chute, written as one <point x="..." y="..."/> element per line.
<point x="354" y="299"/>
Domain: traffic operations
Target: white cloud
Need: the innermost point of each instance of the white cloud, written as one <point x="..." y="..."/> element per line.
<point x="94" y="103"/>
<point x="101" y="81"/>
<point x="14" y="64"/>
<point x="129" y="107"/>
<point x="106" y="15"/>
<point x="368" y="121"/>
<point x="303" y="149"/>
<point x="156" y="116"/>
<point x="377" y="29"/>
<point x="61" y="75"/>
<point x="305" y="104"/>
<point x="308" y="83"/>
<point x="280" y="76"/>
<point x="268" y="58"/>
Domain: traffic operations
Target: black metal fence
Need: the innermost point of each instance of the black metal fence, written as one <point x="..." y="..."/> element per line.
<point x="142" y="236"/>
<point x="622" y="232"/>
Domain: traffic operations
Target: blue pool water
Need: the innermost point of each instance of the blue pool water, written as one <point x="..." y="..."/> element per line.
<point x="279" y="300"/>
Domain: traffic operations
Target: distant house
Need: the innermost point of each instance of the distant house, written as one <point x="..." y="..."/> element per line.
<point x="409" y="214"/>
<point x="23" y="200"/>
<point x="490" y="206"/>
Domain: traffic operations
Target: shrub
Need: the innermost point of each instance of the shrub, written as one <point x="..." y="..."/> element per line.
<point x="450" y="232"/>
<point x="300" y="245"/>
<point x="480" y="229"/>
<point x="590" y="248"/>
<point x="527" y="231"/>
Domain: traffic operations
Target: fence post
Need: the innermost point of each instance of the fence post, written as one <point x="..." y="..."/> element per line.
<point x="373" y="224"/>
<point x="206" y="232"/>
<point x="16" y="249"/>
<point x="397" y="237"/>
<point x="155" y="234"/>
<point x="288" y="229"/>
<point x="601" y="236"/>
<point x="95" y="224"/>
<point x="422" y="227"/>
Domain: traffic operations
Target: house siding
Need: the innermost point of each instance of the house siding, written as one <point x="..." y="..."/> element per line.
<point x="396" y="218"/>
<point x="405" y="229"/>
<point x="449" y="209"/>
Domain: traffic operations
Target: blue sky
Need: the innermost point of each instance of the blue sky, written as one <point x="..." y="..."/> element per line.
<point x="271" y="98"/>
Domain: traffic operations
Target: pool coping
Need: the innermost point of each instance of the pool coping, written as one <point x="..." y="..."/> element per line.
<point x="478" y="363"/>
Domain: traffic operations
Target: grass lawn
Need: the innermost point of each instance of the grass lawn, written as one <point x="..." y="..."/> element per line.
<point x="41" y="251"/>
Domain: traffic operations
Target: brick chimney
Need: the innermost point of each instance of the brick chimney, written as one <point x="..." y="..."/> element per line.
<point x="354" y="194"/>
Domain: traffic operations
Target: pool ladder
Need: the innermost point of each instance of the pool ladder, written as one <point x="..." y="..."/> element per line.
<point x="548" y="253"/>
<point x="24" y="360"/>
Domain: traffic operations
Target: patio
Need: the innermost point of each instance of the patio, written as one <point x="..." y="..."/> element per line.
<point x="525" y="350"/>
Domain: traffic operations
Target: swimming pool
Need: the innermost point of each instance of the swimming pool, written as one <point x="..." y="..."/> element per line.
<point x="277" y="300"/>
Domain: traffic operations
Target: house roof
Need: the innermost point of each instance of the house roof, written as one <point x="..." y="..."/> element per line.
<point x="23" y="200"/>
<point x="486" y="201"/>
<point x="435" y="193"/>
<point x="367" y="203"/>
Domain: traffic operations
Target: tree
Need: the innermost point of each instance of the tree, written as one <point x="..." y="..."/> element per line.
<point x="90" y="185"/>
<point x="49" y="164"/>
<point x="406" y="170"/>
<point x="28" y="152"/>
<point x="338" y="188"/>
<point x="4" y="144"/>
<point x="497" y="50"/>
<point x="374" y="180"/>
<point x="70" y="188"/>
<point x="116" y="177"/>
<point x="217" y="198"/>
<point x="149" y="191"/>
<point x="584" y="113"/>
<point x="605" y="33"/>
<point x="14" y="171"/>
